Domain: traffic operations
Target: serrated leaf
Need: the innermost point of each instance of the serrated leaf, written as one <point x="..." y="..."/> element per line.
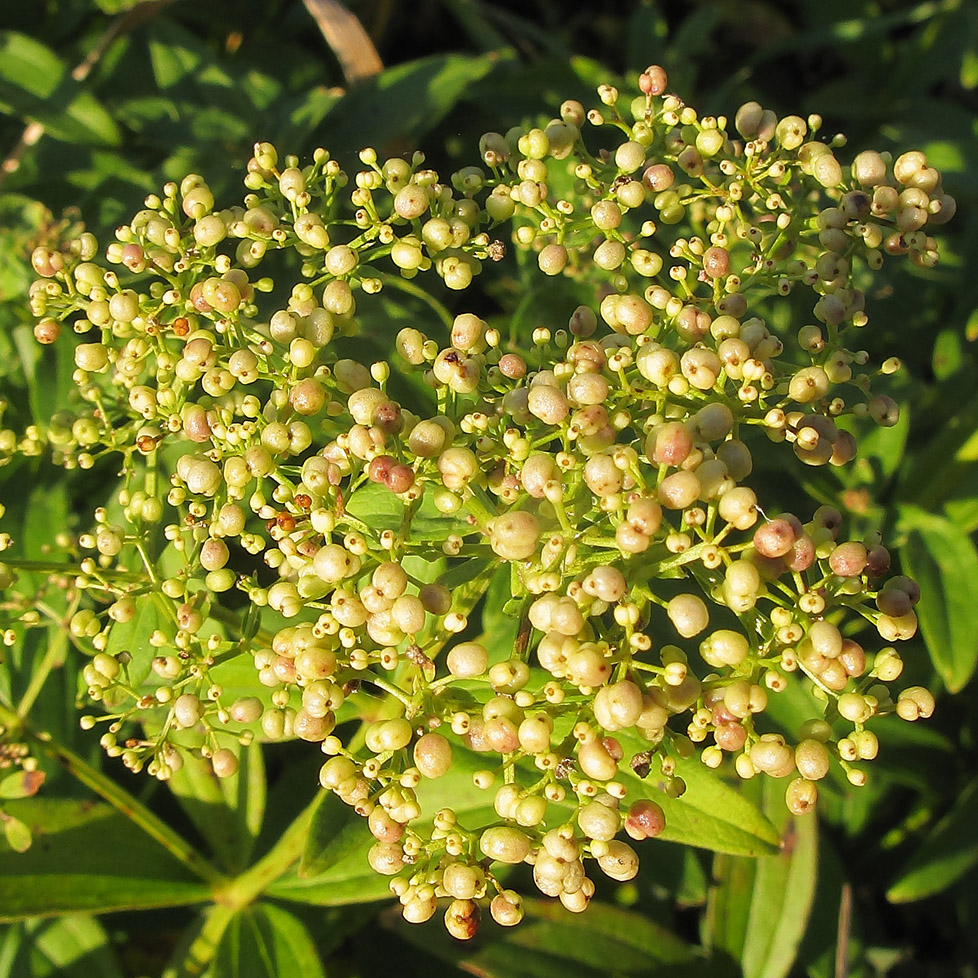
<point x="759" y="908"/>
<point x="948" y="852"/>
<point x="35" y="84"/>
<point x="87" y="857"/>
<point x="945" y="564"/>
<point x="265" y="941"/>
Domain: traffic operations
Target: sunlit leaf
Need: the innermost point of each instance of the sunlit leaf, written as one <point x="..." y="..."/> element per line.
<point x="87" y="857"/>
<point x="711" y="814"/>
<point x="73" y="946"/>
<point x="266" y="941"/>
<point x="758" y="908"/>
<point x="945" y="564"/>
<point x="948" y="852"/>
<point x="35" y="84"/>
<point x="226" y="811"/>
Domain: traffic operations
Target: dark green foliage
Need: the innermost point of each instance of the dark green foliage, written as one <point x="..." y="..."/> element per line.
<point x="190" y="87"/>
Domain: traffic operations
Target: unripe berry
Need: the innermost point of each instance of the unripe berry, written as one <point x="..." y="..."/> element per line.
<point x="724" y="648"/>
<point x="534" y="734"/>
<point x="386" y="858"/>
<point x="800" y="796"/>
<point x="853" y="707"/>
<point x="224" y="763"/>
<point x="739" y="507"/>
<point x="187" y="710"/>
<point x="514" y="535"/>
<point x="915" y="702"/>
<point x="619" y="861"/>
<point x="618" y="706"/>
<point x="552" y="259"/>
<point x="504" y="844"/>
<point x="598" y="821"/>
<point x="771" y="755"/>
<point x="506" y="908"/>
<point x="336" y="771"/>
<point x="812" y="759"/>
<point x="689" y="614"/>
<point x="432" y="755"/>
<point x="596" y="761"/>
<point x="467" y="660"/>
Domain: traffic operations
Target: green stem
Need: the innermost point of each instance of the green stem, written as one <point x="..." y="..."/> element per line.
<point x="52" y="567"/>
<point x="198" y="956"/>
<point x="244" y="890"/>
<point x="54" y="656"/>
<point x="387" y="687"/>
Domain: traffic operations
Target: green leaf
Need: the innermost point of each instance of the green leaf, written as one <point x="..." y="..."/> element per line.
<point x="35" y="84"/>
<point x="945" y="855"/>
<point x="552" y="941"/>
<point x="88" y="857"/>
<point x="73" y="946"/>
<point x="265" y="941"/>
<point x="949" y="355"/>
<point x="631" y="940"/>
<point x="116" y="6"/>
<point x="227" y="812"/>
<point x="331" y="835"/>
<point x="403" y="102"/>
<point x="16" y="832"/>
<point x="710" y="814"/>
<point x="21" y="784"/>
<point x="381" y="509"/>
<point x="171" y="60"/>
<point x="947" y="459"/>
<point x="945" y="564"/>
<point x="333" y="870"/>
<point x="758" y="909"/>
<point x="969" y="70"/>
<point x="130" y="636"/>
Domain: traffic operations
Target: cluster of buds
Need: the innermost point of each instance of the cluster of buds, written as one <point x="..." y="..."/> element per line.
<point x="338" y="522"/>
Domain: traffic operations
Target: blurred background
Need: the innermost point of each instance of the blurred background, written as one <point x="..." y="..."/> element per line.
<point x="101" y="101"/>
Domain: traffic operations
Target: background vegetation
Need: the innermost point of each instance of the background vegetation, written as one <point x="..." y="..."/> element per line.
<point x="103" y="101"/>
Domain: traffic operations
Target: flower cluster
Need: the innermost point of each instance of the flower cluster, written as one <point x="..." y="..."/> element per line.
<point x="338" y="522"/>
